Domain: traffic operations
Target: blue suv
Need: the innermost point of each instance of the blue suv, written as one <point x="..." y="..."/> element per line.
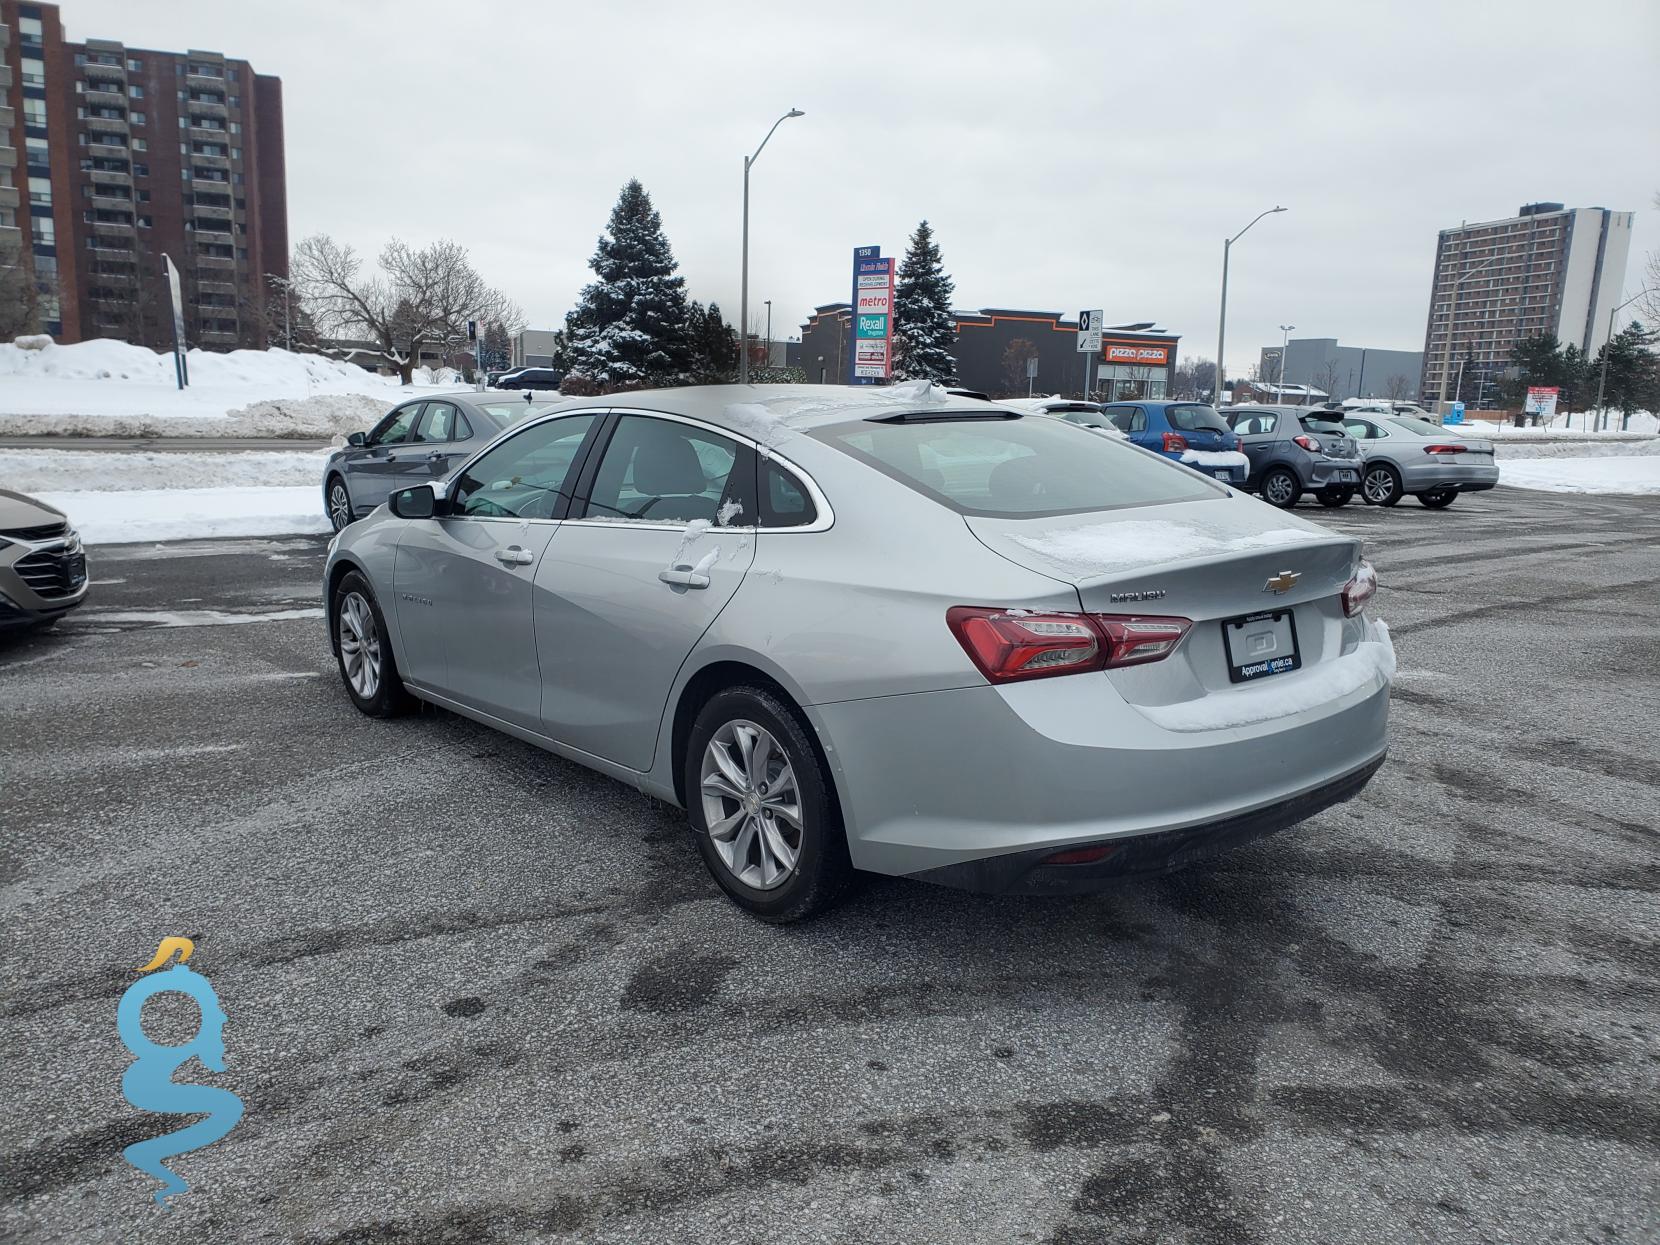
<point x="1191" y="433"/>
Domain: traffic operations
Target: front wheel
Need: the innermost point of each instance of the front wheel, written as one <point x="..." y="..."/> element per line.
<point x="364" y="650"/>
<point x="1334" y="496"/>
<point x="340" y="503"/>
<point x="1281" y="488"/>
<point x="1438" y="498"/>
<point x="1380" y="486"/>
<point x="761" y="807"/>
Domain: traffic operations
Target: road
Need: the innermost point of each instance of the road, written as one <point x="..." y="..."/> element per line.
<point x="478" y="994"/>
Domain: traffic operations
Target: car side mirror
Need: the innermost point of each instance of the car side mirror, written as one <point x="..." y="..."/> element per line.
<point x="357" y="438"/>
<point x="414" y="503"/>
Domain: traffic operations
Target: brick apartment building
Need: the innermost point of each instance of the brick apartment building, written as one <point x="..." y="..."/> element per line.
<point x="111" y="157"/>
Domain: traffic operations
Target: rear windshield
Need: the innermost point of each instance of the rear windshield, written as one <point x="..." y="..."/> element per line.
<point x="1087" y="417"/>
<point x="1017" y="468"/>
<point x="1420" y="425"/>
<point x="1192" y="417"/>
<point x="505" y="412"/>
<point x="1320" y="423"/>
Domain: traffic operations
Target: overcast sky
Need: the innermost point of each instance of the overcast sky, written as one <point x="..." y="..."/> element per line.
<point x="1068" y="154"/>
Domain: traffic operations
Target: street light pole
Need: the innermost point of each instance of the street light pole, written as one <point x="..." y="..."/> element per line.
<point x="1222" y="319"/>
<point x="1602" y="375"/>
<point x="743" y="297"/>
<point x="1285" y="345"/>
<point x="1452" y="317"/>
<point x="769" y="333"/>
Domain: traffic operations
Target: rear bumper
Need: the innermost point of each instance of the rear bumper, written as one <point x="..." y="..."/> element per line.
<point x="1330" y="472"/>
<point x="1432" y="476"/>
<point x="1148" y="855"/>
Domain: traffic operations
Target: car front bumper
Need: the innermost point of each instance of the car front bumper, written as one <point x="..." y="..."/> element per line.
<point x="936" y="780"/>
<point x="40" y="580"/>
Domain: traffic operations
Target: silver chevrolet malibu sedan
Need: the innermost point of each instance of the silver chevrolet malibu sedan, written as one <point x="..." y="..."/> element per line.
<point x="881" y="629"/>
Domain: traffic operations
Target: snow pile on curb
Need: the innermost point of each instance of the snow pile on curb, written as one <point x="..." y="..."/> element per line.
<point x="1629" y="474"/>
<point x="276" y="372"/>
<point x="314" y="418"/>
<point x="1216" y="458"/>
<point x="190" y="514"/>
<point x="1513" y="451"/>
<point x="39" y="471"/>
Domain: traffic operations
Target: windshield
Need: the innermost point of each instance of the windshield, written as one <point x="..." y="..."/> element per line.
<point x="1017" y="468"/>
<point x="1420" y="425"/>
<point x="1191" y="417"/>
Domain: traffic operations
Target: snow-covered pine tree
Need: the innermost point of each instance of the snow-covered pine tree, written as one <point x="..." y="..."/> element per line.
<point x="924" y="330"/>
<point x="629" y="327"/>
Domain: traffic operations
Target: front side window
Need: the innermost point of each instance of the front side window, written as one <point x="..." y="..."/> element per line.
<point x="436" y="424"/>
<point x="1016" y="468"/>
<point x="526" y="476"/>
<point x="661" y="471"/>
<point x="394" y="429"/>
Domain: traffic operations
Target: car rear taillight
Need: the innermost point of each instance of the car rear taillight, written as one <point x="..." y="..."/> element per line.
<point x="1445" y="449"/>
<point x="1174" y="441"/>
<point x="1308" y="443"/>
<point x="1082" y="855"/>
<point x="1359" y="591"/>
<point x="1010" y="645"/>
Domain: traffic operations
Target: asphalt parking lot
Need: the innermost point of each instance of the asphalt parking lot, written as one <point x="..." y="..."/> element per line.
<point x="478" y="994"/>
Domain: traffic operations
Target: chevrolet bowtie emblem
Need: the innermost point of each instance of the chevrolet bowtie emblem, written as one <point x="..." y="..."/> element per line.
<point x="1282" y="583"/>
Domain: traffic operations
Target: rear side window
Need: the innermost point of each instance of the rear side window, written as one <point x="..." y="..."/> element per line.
<point x="1015" y="468"/>
<point x="1193" y="417"/>
<point x="785" y="501"/>
<point x="463" y="428"/>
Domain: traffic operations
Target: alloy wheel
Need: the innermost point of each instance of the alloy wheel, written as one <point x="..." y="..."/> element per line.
<point x="1379" y="486"/>
<point x="359" y="645"/>
<point x="751" y="804"/>
<point x="1279" y="488"/>
<point x="340" y="505"/>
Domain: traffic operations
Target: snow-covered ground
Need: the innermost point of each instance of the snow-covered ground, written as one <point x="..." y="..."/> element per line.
<point x="43" y="471"/>
<point x="113" y="388"/>
<point x="1622" y="473"/>
<point x="1643" y="424"/>
<point x="189" y="514"/>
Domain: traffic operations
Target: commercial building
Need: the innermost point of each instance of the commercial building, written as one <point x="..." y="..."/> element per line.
<point x="1343" y="371"/>
<point x="1548" y="269"/>
<point x="994" y="345"/>
<point x="534" y="347"/>
<point x="129" y="154"/>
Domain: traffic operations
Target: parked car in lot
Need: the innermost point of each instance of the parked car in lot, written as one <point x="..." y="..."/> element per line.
<point x="884" y="630"/>
<point x="416" y="440"/>
<point x="1073" y="410"/>
<point x="42" y="565"/>
<point x="547" y="378"/>
<point x="1414" y="456"/>
<point x="1295" y="450"/>
<point x="1190" y="433"/>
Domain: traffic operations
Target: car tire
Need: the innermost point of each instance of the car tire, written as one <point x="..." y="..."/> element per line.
<point x="1380" y="485"/>
<point x="1281" y="488"/>
<point x="339" y="500"/>
<point x="1438" y="498"/>
<point x="1335" y="497"/>
<point x="359" y="628"/>
<point x="752" y="840"/>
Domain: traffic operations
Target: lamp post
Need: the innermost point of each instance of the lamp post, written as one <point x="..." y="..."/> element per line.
<point x="1452" y="318"/>
<point x="1222" y="319"/>
<point x="769" y="333"/>
<point x="1608" y="349"/>
<point x="1285" y="345"/>
<point x="743" y="297"/>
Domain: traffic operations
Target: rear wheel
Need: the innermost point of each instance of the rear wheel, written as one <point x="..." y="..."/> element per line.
<point x="1380" y="486"/>
<point x="1335" y="496"/>
<point x="364" y="651"/>
<point x="1281" y="488"/>
<point x="761" y="808"/>
<point x="1438" y="498"/>
<point x="340" y="503"/>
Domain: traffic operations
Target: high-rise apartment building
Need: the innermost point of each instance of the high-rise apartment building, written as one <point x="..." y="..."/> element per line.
<point x="1548" y="269"/>
<point x="110" y="158"/>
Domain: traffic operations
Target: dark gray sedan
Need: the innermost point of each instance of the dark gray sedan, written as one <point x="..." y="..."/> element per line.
<point x="416" y="441"/>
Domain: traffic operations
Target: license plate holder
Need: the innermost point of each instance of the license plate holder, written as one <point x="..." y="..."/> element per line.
<point x="1261" y="645"/>
<point x="1348" y="477"/>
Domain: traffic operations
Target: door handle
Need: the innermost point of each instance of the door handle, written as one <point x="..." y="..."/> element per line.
<point x="515" y="556"/>
<point x="684" y="577"/>
<point x="435" y="455"/>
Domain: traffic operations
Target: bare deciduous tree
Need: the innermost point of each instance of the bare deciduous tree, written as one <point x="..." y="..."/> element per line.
<point x="419" y="298"/>
<point x="1328" y="376"/>
<point x="1014" y="365"/>
<point x="20" y="297"/>
<point x="1399" y="388"/>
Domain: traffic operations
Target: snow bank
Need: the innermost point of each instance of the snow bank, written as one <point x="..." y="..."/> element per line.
<point x="1107" y="548"/>
<point x="315" y="418"/>
<point x="1282" y="695"/>
<point x="1632" y="473"/>
<point x="1581" y="447"/>
<point x="1216" y="458"/>
<point x="38" y="471"/>
<point x="186" y="514"/>
<point x="1580" y="424"/>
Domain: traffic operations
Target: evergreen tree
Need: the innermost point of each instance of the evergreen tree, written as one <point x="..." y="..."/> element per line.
<point x="1633" y="376"/>
<point x="924" y="330"/>
<point x="714" y="345"/>
<point x="629" y="327"/>
<point x="495" y="348"/>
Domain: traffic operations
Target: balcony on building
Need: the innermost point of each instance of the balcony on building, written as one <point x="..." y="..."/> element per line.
<point x="215" y="261"/>
<point x="105" y="92"/>
<point x="203" y="106"/>
<point x="204" y="71"/>
<point x="203" y="161"/>
<point x="211" y="212"/>
<point x="97" y="125"/>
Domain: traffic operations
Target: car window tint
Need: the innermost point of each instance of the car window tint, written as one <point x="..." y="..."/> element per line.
<point x="1016" y="468"/>
<point x="1120" y="416"/>
<point x="463" y="428"/>
<point x="525" y="476"/>
<point x="436" y="424"/>
<point x="1420" y="425"/>
<point x="394" y="429"/>
<point x="1255" y="425"/>
<point x="1138" y="420"/>
<point x="1193" y="417"/>
<point x="784" y="499"/>
<point x="661" y="471"/>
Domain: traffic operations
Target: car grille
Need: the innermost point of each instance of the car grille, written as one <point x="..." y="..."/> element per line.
<point x="46" y="531"/>
<point x="52" y="574"/>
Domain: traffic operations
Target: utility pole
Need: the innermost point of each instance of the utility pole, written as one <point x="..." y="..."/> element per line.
<point x="1222" y="318"/>
<point x="769" y="333"/>
<point x="743" y="300"/>
<point x="1285" y="347"/>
